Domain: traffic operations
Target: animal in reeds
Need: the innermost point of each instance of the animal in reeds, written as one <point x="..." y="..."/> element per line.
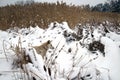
<point x="42" y="49"/>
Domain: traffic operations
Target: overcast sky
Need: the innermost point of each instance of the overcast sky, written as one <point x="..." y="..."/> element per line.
<point x="77" y="2"/>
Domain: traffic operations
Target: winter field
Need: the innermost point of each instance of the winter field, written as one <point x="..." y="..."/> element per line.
<point x="60" y="53"/>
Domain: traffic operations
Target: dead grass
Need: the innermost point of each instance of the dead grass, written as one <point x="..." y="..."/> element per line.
<point x="42" y="14"/>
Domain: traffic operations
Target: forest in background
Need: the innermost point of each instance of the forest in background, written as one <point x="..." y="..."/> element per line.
<point x="110" y="6"/>
<point x="30" y="13"/>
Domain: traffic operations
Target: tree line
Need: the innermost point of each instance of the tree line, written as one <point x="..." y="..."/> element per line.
<point x="109" y="6"/>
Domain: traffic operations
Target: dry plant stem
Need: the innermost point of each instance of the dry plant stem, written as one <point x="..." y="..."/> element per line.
<point x="73" y="65"/>
<point x="4" y="50"/>
<point x="79" y="60"/>
<point x="37" y="75"/>
<point x="27" y="72"/>
<point x="55" y="72"/>
<point x="23" y="75"/>
<point x="52" y="56"/>
<point x="21" y="53"/>
<point x="34" y="56"/>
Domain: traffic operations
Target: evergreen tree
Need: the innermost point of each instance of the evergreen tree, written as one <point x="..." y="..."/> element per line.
<point x="110" y="6"/>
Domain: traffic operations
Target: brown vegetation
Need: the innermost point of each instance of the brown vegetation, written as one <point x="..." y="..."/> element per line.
<point x="42" y="14"/>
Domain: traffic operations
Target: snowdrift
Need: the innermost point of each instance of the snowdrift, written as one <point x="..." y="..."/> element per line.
<point x="60" y="53"/>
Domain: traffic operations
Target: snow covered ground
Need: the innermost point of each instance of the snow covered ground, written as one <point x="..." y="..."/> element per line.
<point x="84" y="53"/>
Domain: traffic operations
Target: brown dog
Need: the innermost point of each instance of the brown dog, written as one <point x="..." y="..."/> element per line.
<point x="42" y="49"/>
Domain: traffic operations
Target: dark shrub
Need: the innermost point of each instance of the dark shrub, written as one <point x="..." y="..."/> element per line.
<point x="96" y="45"/>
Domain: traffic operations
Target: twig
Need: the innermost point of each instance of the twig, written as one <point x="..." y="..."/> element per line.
<point x="36" y="75"/>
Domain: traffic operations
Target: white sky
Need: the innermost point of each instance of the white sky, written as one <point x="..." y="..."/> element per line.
<point x="77" y="2"/>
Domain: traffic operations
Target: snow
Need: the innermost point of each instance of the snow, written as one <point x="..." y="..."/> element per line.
<point x="69" y="59"/>
<point x="112" y="55"/>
